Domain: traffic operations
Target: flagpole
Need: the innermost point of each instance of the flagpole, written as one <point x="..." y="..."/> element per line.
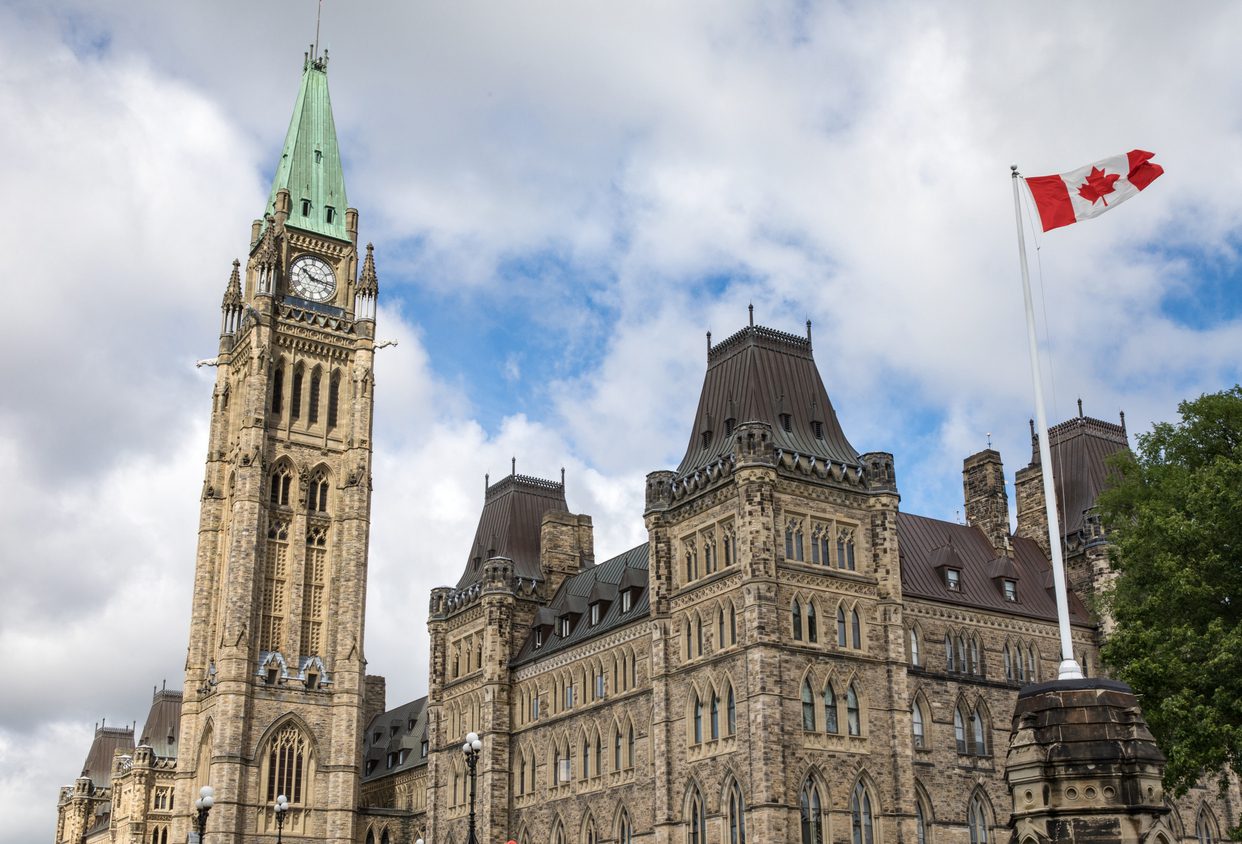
<point x="1069" y="668"/>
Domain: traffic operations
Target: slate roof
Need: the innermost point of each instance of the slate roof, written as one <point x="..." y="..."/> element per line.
<point x="310" y="161"/>
<point x="926" y="545"/>
<point x="757" y="375"/>
<point x="602" y="581"/>
<point x="1078" y="449"/>
<point x="108" y="740"/>
<point x="163" y="721"/>
<point x="513" y="509"/>
<point x="403" y="728"/>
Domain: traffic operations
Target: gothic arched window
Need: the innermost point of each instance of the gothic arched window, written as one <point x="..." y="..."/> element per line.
<point x="959" y="729"/>
<point x="811" y="810"/>
<point x="797" y="620"/>
<point x="808" y="707"/>
<point x="278" y="390"/>
<point x="714" y="720"/>
<point x="841" y="638"/>
<point x="288" y="759"/>
<point x="855" y="630"/>
<point x="735" y="809"/>
<point x="698" y="719"/>
<point x="731" y="712"/>
<point x="312" y="403"/>
<point x="977" y="821"/>
<point x="862" y="822"/>
<point x="812" y="630"/>
<point x="625" y="830"/>
<point x="698" y="819"/>
<point x="830" y="710"/>
<point x="334" y="398"/>
<point x="853" y="719"/>
<point x="295" y="396"/>
<point x="979" y="732"/>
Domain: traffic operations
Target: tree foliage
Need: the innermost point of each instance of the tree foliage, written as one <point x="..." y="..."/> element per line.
<point x="1174" y="512"/>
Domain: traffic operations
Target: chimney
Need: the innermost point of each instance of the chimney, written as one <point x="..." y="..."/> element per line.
<point x="987" y="504"/>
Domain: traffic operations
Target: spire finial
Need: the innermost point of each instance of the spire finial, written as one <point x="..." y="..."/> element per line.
<point x="751" y="308"/>
<point x="513" y="466"/>
<point x="487" y="482"/>
<point x="989" y="435"/>
<point x="562" y="478"/>
<point x="709" y="344"/>
<point x="318" y="15"/>
<point x="808" y="329"/>
<point x="1123" y="421"/>
<point x="1079" y="407"/>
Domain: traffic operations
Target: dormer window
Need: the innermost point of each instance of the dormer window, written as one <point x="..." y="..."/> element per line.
<point x="306" y="207"/>
<point x="817" y="428"/>
<point x="318" y="156"/>
<point x="953" y="580"/>
<point x="370" y="766"/>
<point x="1010" y="588"/>
<point x="312" y="680"/>
<point x="707" y="439"/>
<point x="627" y="600"/>
<point x="329" y="215"/>
<point x="595" y="613"/>
<point x="538" y="637"/>
<point x="378" y="736"/>
<point x="729" y="423"/>
<point x="423" y="749"/>
<point x="787" y="423"/>
<point x="563" y="626"/>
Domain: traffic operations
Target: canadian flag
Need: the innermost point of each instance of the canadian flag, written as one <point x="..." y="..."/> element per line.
<point x="1090" y="191"/>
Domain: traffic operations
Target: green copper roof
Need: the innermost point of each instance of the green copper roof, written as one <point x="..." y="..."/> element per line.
<point x="310" y="163"/>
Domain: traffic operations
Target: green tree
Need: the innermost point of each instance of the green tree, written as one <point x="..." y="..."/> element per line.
<point x="1174" y="511"/>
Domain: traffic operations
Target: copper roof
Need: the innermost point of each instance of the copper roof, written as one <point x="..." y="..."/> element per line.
<point x="513" y="509"/>
<point x="763" y="375"/>
<point x="108" y="740"/>
<point x="929" y="545"/>
<point x="160" y="730"/>
<point x="389" y="733"/>
<point x="1079" y="448"/>
<point x="602" y="583"/>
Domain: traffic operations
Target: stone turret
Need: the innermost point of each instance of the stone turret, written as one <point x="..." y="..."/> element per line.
<point x="1083" y="767"/>
<point x="987" y="504"/>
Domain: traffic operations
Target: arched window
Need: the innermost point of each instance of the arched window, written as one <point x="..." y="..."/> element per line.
<point x="841" y="640"/>
<point x="314" y="583"/>
<point x="616" y="750"/>
<point x="812" y="631"/>
<point x="922" y="825"/>
<point x="959" y="729"/>
<point x="295" y="396"/>
<point x="808" y="707"/>
<point x="797" y="621"/>
<point x="730" y="712"/>
<point x="916" y="721"/>
<point x="282" y="481"/>
<point x="915" y="659"/>
<point x="384" y="837"/>
<point x="862" y="822"/>
<point x="975" y="666"/>
<point x="334" y="398"/>
<point x="830" y="710"/>
<point x="370" y="836"/>
<point x="312" y="403"/>
<point x="949" y="665"/>
<point x="855" y="630"/>
<point x="278" y="390"/>
<point x="1205" y="827"/>
<point x="625" y="830"/>
<point x="287" y="763"/>
<point x="698" y="719"/>
<point x="1032" y="664"/>
<point x="714" y="731"/>
<point x="735" y="810"/>
<point x="629" y="747"/>
<point x="589" y="836"/>
<point x="698" y="819"/>
<point x="586" y="756"/>
<point x="732" y="625"/>
<point x="1008" y="657"/>
<point x="977" y="821"/>
<point x="811" y="808"/>
<point x="558" y="832"/>
<point x="720" y="627"/>
<point x="853" y="716"/>
<point x="979" y="731"/>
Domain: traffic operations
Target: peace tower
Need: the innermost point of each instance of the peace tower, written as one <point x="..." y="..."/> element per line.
<point x="273" y="700"/>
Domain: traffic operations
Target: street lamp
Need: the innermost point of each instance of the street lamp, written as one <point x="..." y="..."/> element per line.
<point x="471" y="748"/>
<point x="282" y="806"/>
<point x="206" y="799"/>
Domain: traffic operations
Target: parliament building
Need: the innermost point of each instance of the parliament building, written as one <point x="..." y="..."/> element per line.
<point x="789" y="658"/>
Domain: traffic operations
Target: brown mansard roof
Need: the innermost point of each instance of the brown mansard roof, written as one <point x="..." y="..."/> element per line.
<point x="1079" y="448"/>
<point x="927" y="546"/>
<point x="513" y="509"/>
<point x="163" y="721"/>
<point x="757" y="375"/>
<point x="108" y="740"/>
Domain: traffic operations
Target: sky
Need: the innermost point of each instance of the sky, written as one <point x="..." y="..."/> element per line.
<point x="564" y="197"/>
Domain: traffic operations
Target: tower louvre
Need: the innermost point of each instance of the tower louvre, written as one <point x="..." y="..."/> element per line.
<point x="275" y="666"/>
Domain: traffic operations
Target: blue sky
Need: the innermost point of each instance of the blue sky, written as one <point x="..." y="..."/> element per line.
<point x="564" y="198"/>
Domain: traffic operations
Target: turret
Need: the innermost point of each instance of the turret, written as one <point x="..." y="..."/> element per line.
<point x="368" y="289"/>
<point x="231" y="307"/>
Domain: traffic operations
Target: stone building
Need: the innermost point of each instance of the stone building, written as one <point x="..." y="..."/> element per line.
<point x="789" y="657"/>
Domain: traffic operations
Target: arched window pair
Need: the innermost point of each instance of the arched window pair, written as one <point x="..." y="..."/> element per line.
<point x="735" y="816"/>
<point x="805" y="619"/>
<point x="713" y="714"/>
<point x="970" y="730"/>
<point x="811" y="811"/>
<point x="851" y="636"/>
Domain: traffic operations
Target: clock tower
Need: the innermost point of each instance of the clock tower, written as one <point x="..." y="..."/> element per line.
<point x="275" y="667"/>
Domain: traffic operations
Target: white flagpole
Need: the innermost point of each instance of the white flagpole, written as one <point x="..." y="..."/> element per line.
<point x="1069" y="668"/>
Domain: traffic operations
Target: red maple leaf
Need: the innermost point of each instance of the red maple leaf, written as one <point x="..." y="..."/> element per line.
<point x="1098" y="184"/>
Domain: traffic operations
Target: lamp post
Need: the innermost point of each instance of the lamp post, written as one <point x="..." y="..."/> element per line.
<point x="206" y="799"/>
<point x="282" y="806"/>
<point x="471" y="748"/>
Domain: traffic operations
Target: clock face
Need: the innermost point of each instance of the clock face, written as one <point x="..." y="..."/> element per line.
<point x="312" y="278"/>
